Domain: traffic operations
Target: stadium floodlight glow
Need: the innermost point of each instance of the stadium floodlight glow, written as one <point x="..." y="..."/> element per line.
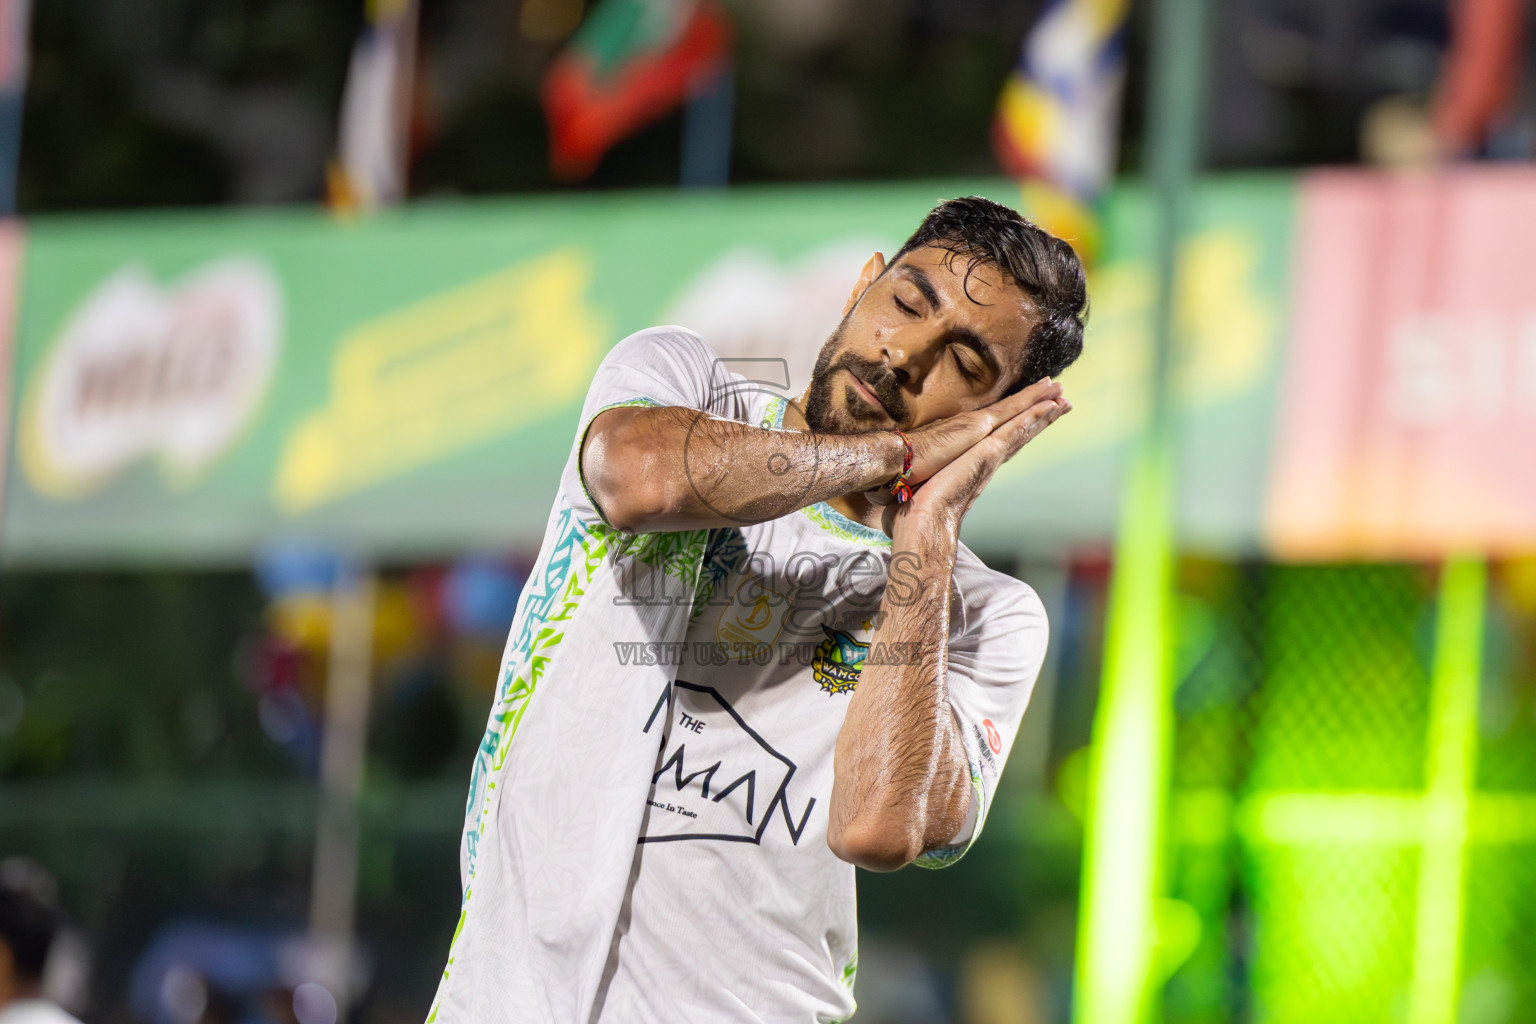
<point x="1117" y="935"/>
<point x="1438" y="922"/>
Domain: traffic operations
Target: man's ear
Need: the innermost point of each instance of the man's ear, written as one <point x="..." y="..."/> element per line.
<point x="873" y="268"/>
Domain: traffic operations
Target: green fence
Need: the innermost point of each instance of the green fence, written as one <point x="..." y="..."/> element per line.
<point x="1342" y="858"/>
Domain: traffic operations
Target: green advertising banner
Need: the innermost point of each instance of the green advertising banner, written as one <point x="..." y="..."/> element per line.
<point x="1229" y="347"/>
<point x="190" y="387"/>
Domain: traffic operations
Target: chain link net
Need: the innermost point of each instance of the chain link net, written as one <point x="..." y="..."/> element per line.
<point x="1299" y="763"/>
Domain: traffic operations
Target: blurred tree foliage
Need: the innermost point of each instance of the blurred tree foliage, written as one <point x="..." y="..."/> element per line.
<point x="172" y="102"/>
<point x="192" y="102"/>
<point x="181" y="102"/>
<point x="130" y="675"/>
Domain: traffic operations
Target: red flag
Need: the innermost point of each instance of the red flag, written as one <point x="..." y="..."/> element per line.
<point x="631" y="62"/>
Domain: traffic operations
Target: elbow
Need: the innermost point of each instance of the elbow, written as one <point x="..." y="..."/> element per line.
<point x="633" y="507"/>
<point x="874" y="845"/>
<point x="632" y="493"/>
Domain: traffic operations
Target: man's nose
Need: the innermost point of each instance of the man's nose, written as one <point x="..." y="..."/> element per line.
<point x="899" y="362"/>
<point x="910" y="353"/>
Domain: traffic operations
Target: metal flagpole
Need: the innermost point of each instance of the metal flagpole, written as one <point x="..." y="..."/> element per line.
<point x="333" y="896"/>
<point x="706" y="154"/>
<point x="15" y="21"/>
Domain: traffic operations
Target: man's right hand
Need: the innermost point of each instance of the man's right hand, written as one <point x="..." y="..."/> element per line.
<point x="672" y="468"/>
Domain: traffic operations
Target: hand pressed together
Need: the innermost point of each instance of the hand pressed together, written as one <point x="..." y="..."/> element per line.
<point x="946" y="490"/>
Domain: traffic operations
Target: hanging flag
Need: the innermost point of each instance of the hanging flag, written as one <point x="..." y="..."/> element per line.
<point x="369" y="169"/>
<point x="1059" y="114"/>
<point x="629" y="63"/>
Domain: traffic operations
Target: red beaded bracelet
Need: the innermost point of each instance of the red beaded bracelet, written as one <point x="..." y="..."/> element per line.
<point x="901" y="487"/>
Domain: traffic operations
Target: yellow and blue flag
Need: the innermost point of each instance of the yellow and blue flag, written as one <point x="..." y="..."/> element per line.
<point x="1059" y="113"/>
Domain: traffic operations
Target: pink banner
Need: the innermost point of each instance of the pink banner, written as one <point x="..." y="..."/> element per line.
<point x="1408" y="420"/>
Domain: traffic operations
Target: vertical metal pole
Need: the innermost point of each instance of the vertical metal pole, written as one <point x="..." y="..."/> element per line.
<point x="403" y="107"/>
<point x="11" y="104"/>
<point x="15" y="56"/>
<point x="706" y="159"/>
<point x="1452" y="763"/>
<point x="1118" y="977"/>
<point x="333" y="896"/>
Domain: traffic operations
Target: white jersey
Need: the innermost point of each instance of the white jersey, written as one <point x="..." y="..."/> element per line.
<point x="647" y="825"/>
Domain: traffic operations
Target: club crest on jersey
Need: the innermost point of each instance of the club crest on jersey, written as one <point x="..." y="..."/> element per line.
<point x="754" y="617"/>
<point x="838" y="661"/>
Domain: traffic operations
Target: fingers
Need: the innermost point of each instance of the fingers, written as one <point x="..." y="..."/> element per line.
<point x="1007" y="440"/>
<point x="1027" y="425"/>
<point x="936" y="444"/>
<point x="959" y="482"/>
<point x="1041" y="390"/>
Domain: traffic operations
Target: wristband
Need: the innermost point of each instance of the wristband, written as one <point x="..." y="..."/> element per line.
<point x="901" y="487"/>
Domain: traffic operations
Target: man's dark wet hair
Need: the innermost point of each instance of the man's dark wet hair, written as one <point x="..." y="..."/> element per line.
<point x="1046" y="267"/>
<point x="29" y="915"/>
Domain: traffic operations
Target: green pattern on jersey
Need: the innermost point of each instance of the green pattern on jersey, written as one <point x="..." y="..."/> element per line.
<point x="552" y="597"/>
<point x="947" y="855"/>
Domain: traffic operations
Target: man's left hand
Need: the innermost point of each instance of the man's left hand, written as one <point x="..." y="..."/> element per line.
<point x="945" y="498"/>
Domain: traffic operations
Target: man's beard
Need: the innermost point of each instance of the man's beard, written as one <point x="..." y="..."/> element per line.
<point x="855" y="417"/>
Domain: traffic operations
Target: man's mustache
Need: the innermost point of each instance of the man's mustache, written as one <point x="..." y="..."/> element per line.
<point x="880" y="379"/>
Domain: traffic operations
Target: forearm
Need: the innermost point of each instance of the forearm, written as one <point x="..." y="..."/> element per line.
<point x="681" y="469"/>
<point x="901" y="784"/>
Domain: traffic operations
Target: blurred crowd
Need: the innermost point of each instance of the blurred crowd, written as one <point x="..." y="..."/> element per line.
<point x="40" y="968"/>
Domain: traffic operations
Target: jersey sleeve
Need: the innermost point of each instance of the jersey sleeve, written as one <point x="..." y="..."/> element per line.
<point x="663" y="366"/>
<point x="993" y="665"/>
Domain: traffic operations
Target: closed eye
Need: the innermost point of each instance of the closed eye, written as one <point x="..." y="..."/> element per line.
<point x="965" y="369"/>
<point x="904" y="307"/>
